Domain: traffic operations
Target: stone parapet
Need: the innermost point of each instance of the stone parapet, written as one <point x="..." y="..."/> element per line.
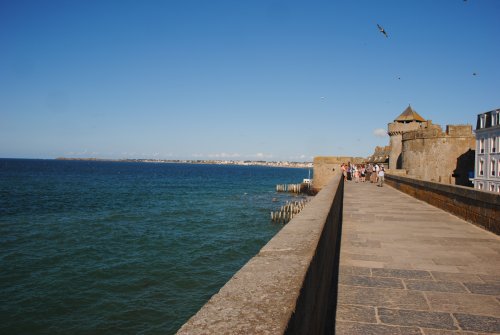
<point x="325" y="168"/>
<point x="478" y="207"/>
<point x="398" y="128"/>
<point x="452" y="131"/>
<point x="291" y="285"/>
<point x="459" y="130"/>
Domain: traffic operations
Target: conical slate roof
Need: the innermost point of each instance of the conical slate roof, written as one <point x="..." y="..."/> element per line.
<point x="409" y="114"/>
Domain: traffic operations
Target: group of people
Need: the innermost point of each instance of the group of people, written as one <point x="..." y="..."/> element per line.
<point x="360" y="173"/>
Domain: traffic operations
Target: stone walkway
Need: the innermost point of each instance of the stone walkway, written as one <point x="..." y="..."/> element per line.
<point x="407" y="267"/>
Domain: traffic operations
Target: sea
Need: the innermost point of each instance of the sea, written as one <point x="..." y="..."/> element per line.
<point x="94" y="247"/>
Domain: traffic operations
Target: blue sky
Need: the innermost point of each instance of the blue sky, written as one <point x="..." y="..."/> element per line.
<point x="272" y="80"/>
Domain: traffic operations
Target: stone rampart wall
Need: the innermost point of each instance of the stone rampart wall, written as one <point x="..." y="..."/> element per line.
<point x="478" y="207"/>
<point x="438" y="158"/>
<point x="325" y="167"/>
<point x="290" y="286"/>
<point x="399" y="127"/>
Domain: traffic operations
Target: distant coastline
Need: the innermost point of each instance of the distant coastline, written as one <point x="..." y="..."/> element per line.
<point x="198" y="161"/>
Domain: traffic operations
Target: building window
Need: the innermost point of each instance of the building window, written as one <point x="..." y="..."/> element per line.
<point x="492" y="187"/>
<point x="498" y="167"/>
<point x="481" y="121"/>
<point x="493" y="144"/>
<point x="498" y="188"/>
<point x="481" y="145"/>
<point x="493" y="164"/>
<point x="481" y="167"/>
<point x="479" y="186"/>
<point x="497" y="118"/>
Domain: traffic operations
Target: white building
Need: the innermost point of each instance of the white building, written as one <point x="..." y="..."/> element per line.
<point x="487" y="166"/>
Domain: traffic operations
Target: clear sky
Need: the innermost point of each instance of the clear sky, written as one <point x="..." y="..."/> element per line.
<point x="246" y="79"/>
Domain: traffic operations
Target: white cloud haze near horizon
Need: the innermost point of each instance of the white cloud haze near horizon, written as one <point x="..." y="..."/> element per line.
<point x="380" y="132"/>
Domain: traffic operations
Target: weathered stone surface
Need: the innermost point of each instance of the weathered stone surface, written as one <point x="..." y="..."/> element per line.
<point x="480" y="208"/>
<point x="416" y="318"/>
<point x="457" y="277"/>
<point x="356" y="313"/>
<point x="364" y="257"/>
<point x="478" y="323"/>
<point x="446" y="260"/>
<point x="463" y="303"/>
<point x="423" y="249"/>
<point x="490" y="278"/>
<point x="356" y="271"/>
<point x="353" y="328"/>
<point x="428" y="331"/>
<point x="326" y="167"/>
<point x="489" y="289"/>
<point x="392" y="298"/>
<point x="438" y="286"/>
<point x="370" y="281"/>
<point x="401" y="273"/>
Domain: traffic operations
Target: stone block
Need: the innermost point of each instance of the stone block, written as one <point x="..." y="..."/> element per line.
<point x="463" y="303"/>
<point x="353" y="328"/>
<point x="425" y="319"/>
<point x="488" y="288"/>
<point x="456" y="277"/>
<point x="356" y="313"/>
<point x="354" y="270"/>
<point x="478" y="323"/>
<point x="439" y="286"/>
<point x="382" y="297"/>
<point x="446" y="332"/>
<point x="371" y="281"/>
<point x="400" y="273"/>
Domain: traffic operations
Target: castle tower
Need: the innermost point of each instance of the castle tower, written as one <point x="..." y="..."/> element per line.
<point x="407" y="121"/>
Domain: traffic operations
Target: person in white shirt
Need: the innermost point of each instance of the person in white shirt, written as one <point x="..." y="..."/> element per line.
<point x="380" y="176"/>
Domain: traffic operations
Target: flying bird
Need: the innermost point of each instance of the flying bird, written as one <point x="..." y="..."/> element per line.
<point x="474" y="74"/>
<point x="382" y="30"/>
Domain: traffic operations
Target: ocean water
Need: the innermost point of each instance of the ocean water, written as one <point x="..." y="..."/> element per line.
<point x="125" y="248"/>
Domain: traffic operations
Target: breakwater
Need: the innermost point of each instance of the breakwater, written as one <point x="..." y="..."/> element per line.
<point x="293" y="188"/>
<point x="290" y="286"/>
<point x="288" y="211"/>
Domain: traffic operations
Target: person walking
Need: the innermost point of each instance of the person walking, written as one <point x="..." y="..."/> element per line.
<point x="380" y="176"/>
<point x="377" y="169"/>
<point x="369" y="172"/>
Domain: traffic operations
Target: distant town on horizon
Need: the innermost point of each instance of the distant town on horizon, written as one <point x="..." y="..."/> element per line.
<point x="199" y="161"/>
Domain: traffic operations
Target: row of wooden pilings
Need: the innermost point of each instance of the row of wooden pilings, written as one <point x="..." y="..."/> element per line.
<point x="292" y="188"/>
<point x="288" y="211"/>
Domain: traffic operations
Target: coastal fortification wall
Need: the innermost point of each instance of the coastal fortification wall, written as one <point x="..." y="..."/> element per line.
<point x="395" y="130"/>
<point x="325" y="168"/>
<point x="444" y="157"/>
<point x="290" y="286"/>
<point x="380" y="155"/>
<point x="478" y="207"/>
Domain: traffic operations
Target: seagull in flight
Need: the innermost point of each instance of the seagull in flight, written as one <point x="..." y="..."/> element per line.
<point x="382" y="30"/>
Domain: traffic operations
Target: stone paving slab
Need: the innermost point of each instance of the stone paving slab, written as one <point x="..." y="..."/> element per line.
<point x="417" y="318"/>
<point x="438" y="286"/>
<point x="409" y="268"/>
